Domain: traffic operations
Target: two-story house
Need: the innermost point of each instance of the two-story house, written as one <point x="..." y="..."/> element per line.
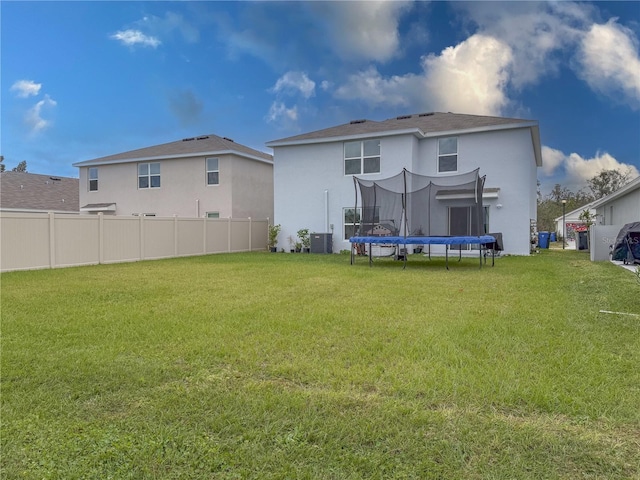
<point x="313" y="172"/>
<point x="201" y="176"/>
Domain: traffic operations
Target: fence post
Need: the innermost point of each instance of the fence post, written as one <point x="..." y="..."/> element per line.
<point x="52" y="240"/>
<point x="100" y="238"/>
<point x="141" y="217"/>
<point x="250" y="234"/>
<point x="204" y="235"/>
<point x="175" y="235"/>
<point x="229" y="234"/>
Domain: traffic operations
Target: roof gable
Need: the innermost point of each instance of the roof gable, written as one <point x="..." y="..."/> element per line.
<point x="187" y="147"/>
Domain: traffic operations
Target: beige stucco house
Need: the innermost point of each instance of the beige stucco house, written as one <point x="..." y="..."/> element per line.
<point x="205" y="176"/>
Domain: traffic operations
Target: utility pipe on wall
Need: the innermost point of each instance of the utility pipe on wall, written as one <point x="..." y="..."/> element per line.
<point x="326" y="210"/>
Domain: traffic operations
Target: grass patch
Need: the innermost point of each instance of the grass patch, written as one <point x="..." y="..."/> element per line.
<point x="302" y="366"/>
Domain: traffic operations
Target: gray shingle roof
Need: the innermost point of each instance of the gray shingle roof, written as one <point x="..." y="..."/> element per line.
<point x="425" y="122"/>
<point x="32" y="191"/>
<point x="204" y="144"/>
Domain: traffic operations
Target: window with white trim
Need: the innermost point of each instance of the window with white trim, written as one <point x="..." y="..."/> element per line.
<point x="149" y="175"/>
<point x="93" y="179"/>
<point x="447" y="154"/>
<point x="362" y="157"/>
<point x="213" y="172"/>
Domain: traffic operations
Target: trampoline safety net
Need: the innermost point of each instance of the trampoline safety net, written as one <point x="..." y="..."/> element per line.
<point x="413" y="205"/>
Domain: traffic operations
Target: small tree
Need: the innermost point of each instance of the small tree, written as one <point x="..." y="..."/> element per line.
<point x="303" y="235"/>
<point x="2" y="167"/>
<point x="274" y="231"/>
<point x="21" y="167"/>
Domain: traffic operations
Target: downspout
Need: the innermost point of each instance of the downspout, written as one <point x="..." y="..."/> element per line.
<point x="326" y="210"/>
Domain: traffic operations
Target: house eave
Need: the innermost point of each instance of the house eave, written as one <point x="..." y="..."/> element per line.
<point x="418" y="133"/>
<point x="95" y="163"/>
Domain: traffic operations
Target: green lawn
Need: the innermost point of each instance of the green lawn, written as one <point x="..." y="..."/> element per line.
<point x="274" y="366"/>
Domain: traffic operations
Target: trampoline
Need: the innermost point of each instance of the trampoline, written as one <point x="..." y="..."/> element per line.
<point x="414" y="209"/>
<point x="482" y="240"/>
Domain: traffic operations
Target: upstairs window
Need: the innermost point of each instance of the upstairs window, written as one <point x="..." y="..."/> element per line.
<point x="362" y="157"/>
<point x="148" y="175"/>
<point x="93" y="179"/>
<point x="213" y="172"/>
<point x="448" y="154"/>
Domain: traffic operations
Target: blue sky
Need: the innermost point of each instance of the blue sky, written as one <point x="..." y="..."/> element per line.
<point x="80" y="80"/>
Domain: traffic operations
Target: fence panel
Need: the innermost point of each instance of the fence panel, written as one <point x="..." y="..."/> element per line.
<point x="77" y="240"/>
<point x="240" y="239"/>
<point x="24" y="241"/>
<point x="121" y="239"/>
<point x="33" y="241"/>
<point x="190" y="236"/>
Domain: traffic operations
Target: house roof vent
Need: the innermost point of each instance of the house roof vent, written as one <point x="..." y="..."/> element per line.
<point x="188" y="139"/>
<point x="55" y="179"/>
<point x="229" y="139"/>
<point x="426" y="114"/>
<point x="403" y="117"/>
<point x="362" y="120"/>
<point x="204" y="137"/>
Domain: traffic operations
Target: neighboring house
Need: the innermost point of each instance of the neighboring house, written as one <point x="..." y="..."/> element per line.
<point x="35" y="193"/>
<point x="621" y="206"/>
<point x="313" y="172"/>
<point x="573" y="223"/>
<point x="194" y="177"/>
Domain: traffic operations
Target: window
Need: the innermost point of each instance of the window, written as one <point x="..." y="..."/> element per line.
<point x="93" y="179"/>
<point x="362" y="157"/>
<point x="148" y="175"/>
<point x="351" y="218"/>
<point x="448" y="154"/>
<point x="213" y="173"/>
<point x="213" y="214"/>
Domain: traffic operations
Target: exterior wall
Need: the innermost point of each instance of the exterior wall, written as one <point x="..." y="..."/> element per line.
<point x="621" y="210"/>
<point x="36" y="241"/>
<point x="311" y="189"/>
<point x="251" y="189"/>
<point x="183" y="189"/>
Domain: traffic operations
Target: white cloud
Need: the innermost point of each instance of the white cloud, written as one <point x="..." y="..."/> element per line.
<point x="370" y="87"/>
<point x="279" y="111"/>
<point x="551" y="160"/>
<point x="609" y="61"/>
<point x="131" y="38"/>
<point x="471" y="78"/>
<point x="582" y="169"/>
<point x="26" y="88"/>
<point x="295" y="82"/>
<point x="362" y="30"/>
<point x="33" y="117"/>
<point x="171" y="22"/>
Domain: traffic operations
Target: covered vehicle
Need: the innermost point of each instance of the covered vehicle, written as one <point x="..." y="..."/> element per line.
<point x="627" y="245"/>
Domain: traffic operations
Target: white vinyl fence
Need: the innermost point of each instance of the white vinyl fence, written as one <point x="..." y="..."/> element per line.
<point x="50" y="240"/>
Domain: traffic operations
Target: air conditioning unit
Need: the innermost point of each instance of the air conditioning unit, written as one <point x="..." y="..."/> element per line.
<point x="321" y="243"/>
